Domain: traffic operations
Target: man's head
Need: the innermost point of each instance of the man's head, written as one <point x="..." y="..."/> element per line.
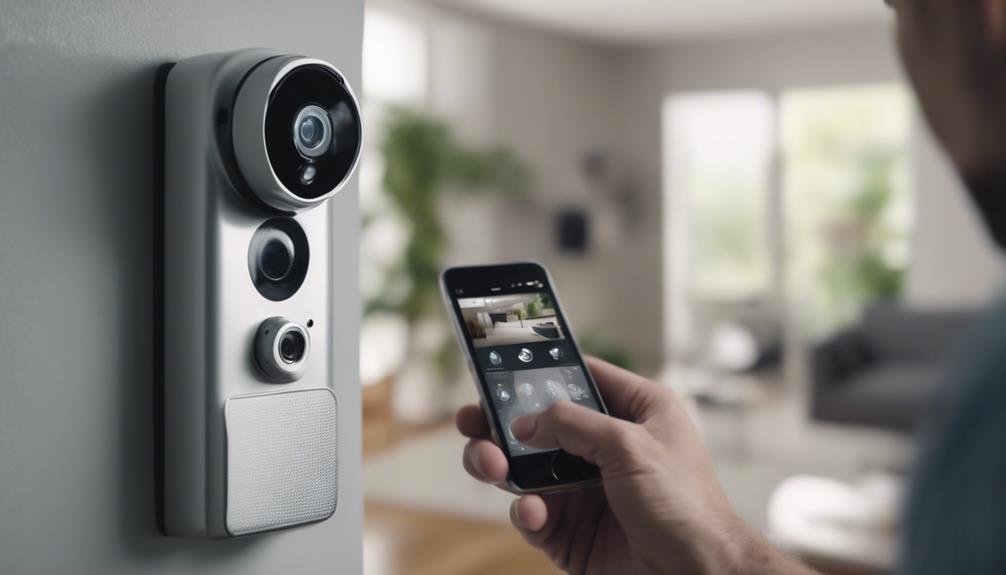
<point x="955" y="54"/>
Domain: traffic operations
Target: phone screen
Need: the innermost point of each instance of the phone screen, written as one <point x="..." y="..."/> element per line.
<point x="519" y="343"/>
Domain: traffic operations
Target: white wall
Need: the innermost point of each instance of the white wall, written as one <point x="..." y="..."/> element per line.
<point x="954" y="261"/>
<point x="76" y="292"/>
<point x="555" y="102"/>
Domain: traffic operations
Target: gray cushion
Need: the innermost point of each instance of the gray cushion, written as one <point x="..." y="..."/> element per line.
<point x="894" y="395"/>
<point x="895" y="332"/>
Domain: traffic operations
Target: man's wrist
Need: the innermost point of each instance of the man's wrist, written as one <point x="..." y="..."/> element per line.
<point x="745" y="551"/>
<point x="724" y="547"/>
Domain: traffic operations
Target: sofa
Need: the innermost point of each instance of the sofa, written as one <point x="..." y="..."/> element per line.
<point x="884" y="371"/>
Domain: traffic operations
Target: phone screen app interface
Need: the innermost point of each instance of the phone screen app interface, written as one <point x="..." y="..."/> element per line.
<point x="523" y="351"/>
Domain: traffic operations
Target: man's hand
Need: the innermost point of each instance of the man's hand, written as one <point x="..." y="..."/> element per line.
<point x="661" y="508"/>
<point x="955" y="55"/>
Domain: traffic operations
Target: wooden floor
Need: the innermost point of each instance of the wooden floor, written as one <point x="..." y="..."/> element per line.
<point x="403" y="541"/>
<point x="400" y="541"/>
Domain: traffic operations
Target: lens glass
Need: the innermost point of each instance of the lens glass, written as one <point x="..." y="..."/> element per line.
<point x="276" y="258"/>
<point x="291" y="346"/>
<point x="307" y="173"/>
<point x="312" y="131"/>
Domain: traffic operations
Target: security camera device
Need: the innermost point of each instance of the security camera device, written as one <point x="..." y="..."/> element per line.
<point x="254" y="143"/>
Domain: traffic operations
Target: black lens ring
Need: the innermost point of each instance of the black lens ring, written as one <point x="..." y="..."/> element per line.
<point x="312" y="85"/>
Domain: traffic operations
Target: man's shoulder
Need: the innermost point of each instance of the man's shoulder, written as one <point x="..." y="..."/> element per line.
<point x="956" y="499"/>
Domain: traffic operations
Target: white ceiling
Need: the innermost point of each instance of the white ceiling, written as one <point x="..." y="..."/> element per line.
<point x="637" y="21"/>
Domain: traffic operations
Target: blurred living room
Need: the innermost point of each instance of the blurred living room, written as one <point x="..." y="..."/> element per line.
<point x="737" y="199"/>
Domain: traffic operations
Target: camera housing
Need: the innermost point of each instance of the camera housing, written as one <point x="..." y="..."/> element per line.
<point x="292" y="115"/>
<point x="254" y="144"/>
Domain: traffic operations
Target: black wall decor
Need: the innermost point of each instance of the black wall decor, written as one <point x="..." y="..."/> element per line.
<point x="572" y="227"/>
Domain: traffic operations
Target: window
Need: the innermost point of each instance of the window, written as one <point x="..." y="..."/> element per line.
<point x="718" y="158"/>
<point x="394" y="59"/>
<point x="848" y="208"/>
<point x="816" y="220"/>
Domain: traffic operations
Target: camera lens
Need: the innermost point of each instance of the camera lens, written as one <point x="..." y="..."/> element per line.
<point x="291" y="346"/>
<point x="306" y="145"/>
<point x="277" y="257"/>
<point x="307" y="173"/>
<point x="312" y="131"/>
<point x="281" y="349"/>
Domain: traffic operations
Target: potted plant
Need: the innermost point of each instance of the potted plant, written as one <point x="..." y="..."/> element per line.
<point x="423" y="162"/>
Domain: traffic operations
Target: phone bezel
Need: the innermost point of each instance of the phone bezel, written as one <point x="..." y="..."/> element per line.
<point x="529" y="473"/>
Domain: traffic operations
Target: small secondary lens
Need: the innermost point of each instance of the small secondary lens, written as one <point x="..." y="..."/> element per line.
<point x="291" y="346"/>
<point x="308" y="173"/>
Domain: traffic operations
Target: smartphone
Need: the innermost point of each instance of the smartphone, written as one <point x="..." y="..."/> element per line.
<point x="523" y="357"/>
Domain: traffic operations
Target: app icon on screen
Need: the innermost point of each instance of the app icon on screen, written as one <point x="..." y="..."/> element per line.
<point x="525" y="355"/>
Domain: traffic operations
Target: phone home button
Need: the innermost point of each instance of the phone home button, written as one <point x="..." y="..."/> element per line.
<point x="564" y="467"/>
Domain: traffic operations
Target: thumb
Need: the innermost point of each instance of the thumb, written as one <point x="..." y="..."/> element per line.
<point x="594" y="436"/>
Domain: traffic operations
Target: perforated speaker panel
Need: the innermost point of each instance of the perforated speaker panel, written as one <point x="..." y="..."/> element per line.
<point x="282" y="459"/>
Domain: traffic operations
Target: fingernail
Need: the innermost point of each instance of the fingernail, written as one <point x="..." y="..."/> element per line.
<point x="523" y="427"/>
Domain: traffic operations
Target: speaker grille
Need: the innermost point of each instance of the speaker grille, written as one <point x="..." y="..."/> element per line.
<point x="282" y="459"/>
